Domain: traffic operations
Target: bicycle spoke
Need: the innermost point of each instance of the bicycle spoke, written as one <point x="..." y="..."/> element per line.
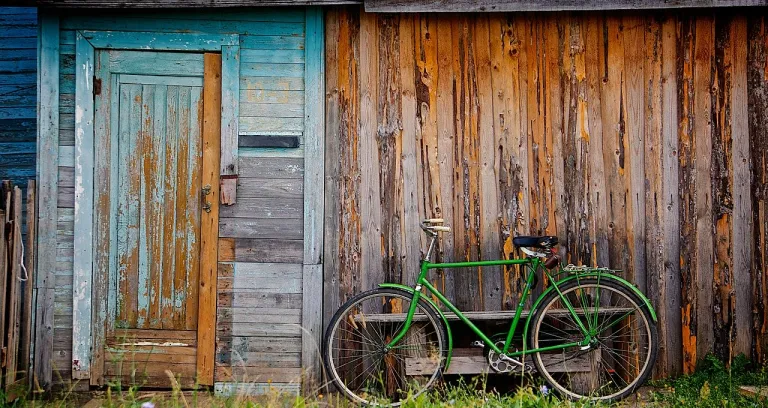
<point x="622" y="349"/>
<point x="362" y="366"/>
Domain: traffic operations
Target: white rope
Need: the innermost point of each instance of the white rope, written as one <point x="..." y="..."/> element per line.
<point x="21" y="263"/>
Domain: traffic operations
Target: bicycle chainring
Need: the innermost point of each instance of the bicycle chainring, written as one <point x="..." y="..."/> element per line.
<point x="500" y="365"/>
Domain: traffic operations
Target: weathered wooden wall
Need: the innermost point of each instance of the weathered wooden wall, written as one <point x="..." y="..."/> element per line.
<point x="641" y="140"/>
<point x="18" y="92"/>
<point x="258" y="337"/>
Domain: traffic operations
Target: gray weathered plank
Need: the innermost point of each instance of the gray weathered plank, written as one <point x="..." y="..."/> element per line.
<point x="424" y="6"/>
<point x="47" y="170"/>
<point x="311" y="325"/>
<point x="314" y="142"/>
<point x="84" y="165"/>
<point x="270" y="188"/>
<point x="261" y="228"/>
<point x="272" y="167"/>
<point x="265" y="208"/>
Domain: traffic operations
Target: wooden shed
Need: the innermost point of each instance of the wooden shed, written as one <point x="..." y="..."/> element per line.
<point x="215" y="179"/>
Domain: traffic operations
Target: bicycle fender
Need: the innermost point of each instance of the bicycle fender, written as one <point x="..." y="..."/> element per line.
<point x="594" y="274"/>
<point x="440" y="312"/>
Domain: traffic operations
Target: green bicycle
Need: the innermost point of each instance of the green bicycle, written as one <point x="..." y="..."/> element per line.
<point x="590" y="334"/>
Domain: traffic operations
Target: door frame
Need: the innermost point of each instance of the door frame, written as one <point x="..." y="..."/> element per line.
<point x="91" y="232"/>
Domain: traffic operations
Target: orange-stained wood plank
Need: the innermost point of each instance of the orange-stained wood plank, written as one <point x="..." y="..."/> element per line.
<point x="226" y="250"/>
<point x="704" y="48"/>
<point x="686" y="151"/>
<point x="192" y="113"/>
<point x="206" y="325"/>
<point x="178" y="314"/>
<point x="171" y="185"/>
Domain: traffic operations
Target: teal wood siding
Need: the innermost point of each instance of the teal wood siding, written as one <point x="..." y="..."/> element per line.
<point x="18" y="91"/>
<point x="257" y="335"/>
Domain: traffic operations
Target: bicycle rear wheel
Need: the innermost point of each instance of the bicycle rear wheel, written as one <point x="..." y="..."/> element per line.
<point x="357" y="358"/>
<point x="624" y="346"/>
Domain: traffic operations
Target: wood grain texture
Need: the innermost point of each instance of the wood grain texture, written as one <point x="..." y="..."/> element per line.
<point x="634" y="138"/>
<point x="391" y="6"/>
<point x="84" y="209"/>
<point x="48" y="146"/>
<point x="211" y="141"/>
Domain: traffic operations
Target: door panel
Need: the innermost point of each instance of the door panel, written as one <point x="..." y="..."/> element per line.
<point x="158" y="213"/>
<point x="156" y="122"/>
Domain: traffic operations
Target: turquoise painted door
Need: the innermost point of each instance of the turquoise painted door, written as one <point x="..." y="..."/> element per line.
<point x="155" y="116"/>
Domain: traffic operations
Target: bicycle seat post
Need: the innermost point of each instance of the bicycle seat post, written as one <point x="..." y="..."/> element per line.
<point x="431" y="229"/>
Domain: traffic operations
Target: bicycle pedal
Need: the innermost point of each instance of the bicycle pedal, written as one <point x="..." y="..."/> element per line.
<point x="477" y="343"/>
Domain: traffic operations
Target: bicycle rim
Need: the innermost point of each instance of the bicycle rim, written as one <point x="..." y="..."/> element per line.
<point x="619" y="358"/>
<point x="358" y="362"/>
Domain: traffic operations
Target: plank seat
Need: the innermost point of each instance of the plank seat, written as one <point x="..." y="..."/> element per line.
<point x="499" y="315"/>
<point x="472" y="361"/>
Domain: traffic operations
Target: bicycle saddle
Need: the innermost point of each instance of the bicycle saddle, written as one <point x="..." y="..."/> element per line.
<point x="535" y="241"/>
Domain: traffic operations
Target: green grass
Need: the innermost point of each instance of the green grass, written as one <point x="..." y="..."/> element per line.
<point x="714" y="385"/>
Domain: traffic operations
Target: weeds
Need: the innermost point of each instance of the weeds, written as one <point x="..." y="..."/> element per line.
<point x="715" y="385"/>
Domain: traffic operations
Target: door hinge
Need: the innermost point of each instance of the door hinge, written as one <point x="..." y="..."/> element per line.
<point x="96" y="86"/>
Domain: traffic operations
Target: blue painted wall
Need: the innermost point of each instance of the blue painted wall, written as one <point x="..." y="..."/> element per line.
<point x="271" y="102"/>
<point x="18" y="92"/>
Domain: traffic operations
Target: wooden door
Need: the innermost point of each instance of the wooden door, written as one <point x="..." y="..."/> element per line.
<point x="158" y="205"/>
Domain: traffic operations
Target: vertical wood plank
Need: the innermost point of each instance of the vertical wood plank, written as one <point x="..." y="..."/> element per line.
<point x="230" y="112"/>
<point x="389" y="145"/>
<point x="84" y="204"/>
<point x="670" y="200"/>
<point x="148" y="158"/>
<point x="173" y="201"/>
<point x="29" y="255"/>
<point x="438" y="143"/>
<point x="47" y="172"/>
<point x="757" y="102"/>
<point x="370" y="205"/>
<point x="489" y="244"/>
<point x="598" y="196"/>
<point x="510" y="162"/>
<point x="412" y="183"/>
<point x="653" y="197"/>
<point x="688" y="259"/>
<point x="633" y="113"/>
<point x="314" y="164"/>
<point x="742" y="203"/>
<point x="192" y="113"/>
<point x="103" y="227"/>
<point x="702" y="127"/>
<point x="176" y="115"/>
<point x="211" y="140"/>
<point x="614" y="143"/>
<point x="314" y="124"/>
<point x="334" y="19"/>
<point x="722" y="189"/>
<point x="14" y="293"/>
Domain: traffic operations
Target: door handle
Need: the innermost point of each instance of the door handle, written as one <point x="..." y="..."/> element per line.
<point x="206" y="204"/>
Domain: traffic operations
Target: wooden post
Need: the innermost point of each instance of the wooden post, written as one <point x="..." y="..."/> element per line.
<point x="12" y="345"/>
<point x="29" y="259"/>
<point x="47" y="170"/>
<point x="7" y="240"/>
<point x="209" y="232"/>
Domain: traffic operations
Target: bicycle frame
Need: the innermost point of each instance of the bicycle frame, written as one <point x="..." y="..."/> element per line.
<point x="533" y="264"/>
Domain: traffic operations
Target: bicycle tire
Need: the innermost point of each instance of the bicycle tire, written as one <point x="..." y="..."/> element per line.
<point x="608" y="365"/>
<point x="363" y="393"/>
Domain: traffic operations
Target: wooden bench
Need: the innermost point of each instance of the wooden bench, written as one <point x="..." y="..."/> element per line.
<point x="473" y="361"/>
<point x="481" y="316"/>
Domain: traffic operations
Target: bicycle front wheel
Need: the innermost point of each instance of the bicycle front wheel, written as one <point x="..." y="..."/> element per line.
<point x="358" y="360"/>
<point x="624" y="343"/>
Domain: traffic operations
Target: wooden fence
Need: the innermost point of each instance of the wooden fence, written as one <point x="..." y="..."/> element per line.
<point x="16" y="284"/>
<point x="640" y="139"/>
